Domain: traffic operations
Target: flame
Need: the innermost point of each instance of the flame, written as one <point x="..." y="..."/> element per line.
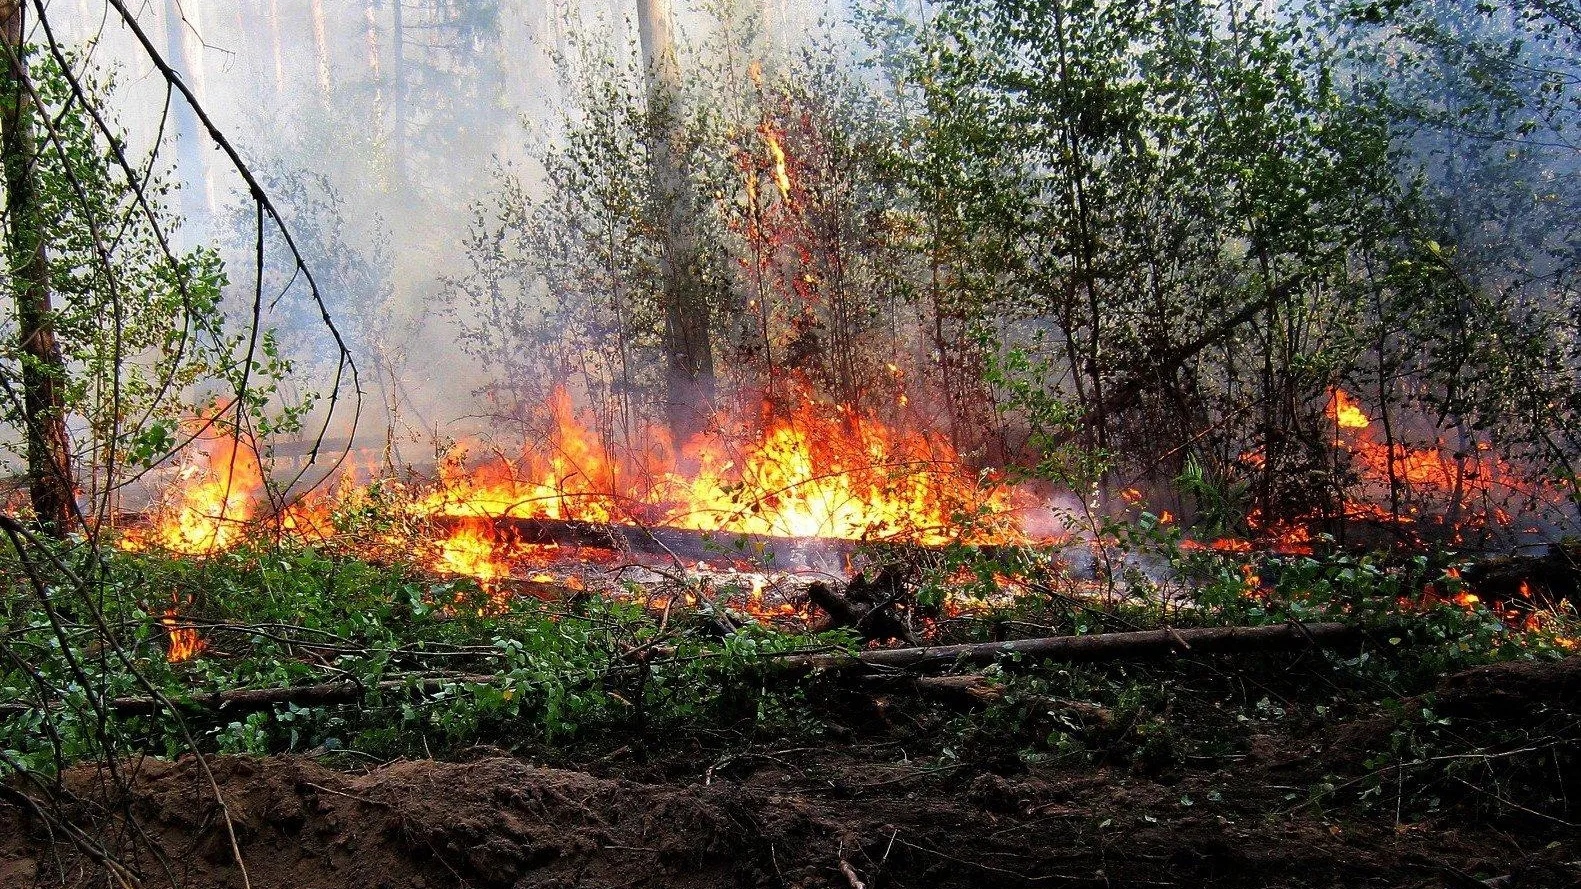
<point x="184" y="641"/>
<point x="777" y="155"/>
<point x="216" y="495"/>
<point x="816" y="470"/>
<point x="470" y="550"/>
<point x="1280" y="537"/>
<point x="1345" y="412"/>
<point x="821" y="471"/>
<point x="1470" y="482"/>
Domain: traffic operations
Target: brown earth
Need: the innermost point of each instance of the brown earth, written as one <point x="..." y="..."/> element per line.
<point x="790" y="817"/>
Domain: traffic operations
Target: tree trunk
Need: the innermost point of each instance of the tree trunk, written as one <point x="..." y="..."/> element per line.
<point x="687" y="345"/>
<point x="398" y="94"/>
<point x="1138" y="645"/>
<point x="43" y="370"/>
<point x="320" y="50"/>
<point x="188" y="134"/>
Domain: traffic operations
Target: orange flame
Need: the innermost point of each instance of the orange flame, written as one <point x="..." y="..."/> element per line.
<point x="819" y="472"/>
<point x="215" y="497"/>
<point x="1345" y="412"/>
<point x="1469" y="482"/>
<point x="470" y="550"/>
<point x="777" y="154"/>
<point x="184" y="641"/>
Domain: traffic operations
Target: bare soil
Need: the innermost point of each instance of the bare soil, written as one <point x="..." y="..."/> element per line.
<point x="776" y="816"/>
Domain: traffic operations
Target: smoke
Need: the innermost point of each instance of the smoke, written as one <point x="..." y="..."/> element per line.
<point x="377" y="125"/>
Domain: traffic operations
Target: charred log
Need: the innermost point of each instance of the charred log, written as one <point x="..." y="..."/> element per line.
<point x="681" y="543"/>
<point x="831" y="554"/>
<point x="874" y="608"/>
<point x="1555" y="574"/>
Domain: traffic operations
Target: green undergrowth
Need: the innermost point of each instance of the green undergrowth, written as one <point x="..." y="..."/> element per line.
<point x="441" y="669"/>
<point x="442" y="665"/>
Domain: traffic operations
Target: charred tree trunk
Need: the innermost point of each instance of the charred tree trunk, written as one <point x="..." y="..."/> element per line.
<point x="43" y="369"/>
<point x="688" y="348"/>
<point x="871" y="607"/>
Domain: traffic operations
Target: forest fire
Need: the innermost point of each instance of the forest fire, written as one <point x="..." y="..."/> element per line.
<point x="1345" y="412"/>
<point x="818" y="471"/>
<point x="815" y="471"/>
<point x="1463" y="489"/>
<point x="215" y="497"/>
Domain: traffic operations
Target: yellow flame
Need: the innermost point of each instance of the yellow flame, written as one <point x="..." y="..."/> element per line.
<point x="184" y="641"/>
<point x="470" y="550"/>
<point x="777" y="154"/>
<point x="216" y="496"/>
<point x="1344" y="411"/>
<point x="816" y="470"/>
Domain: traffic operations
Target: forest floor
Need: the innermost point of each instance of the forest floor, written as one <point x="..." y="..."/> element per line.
<point x="1260" y="772"/>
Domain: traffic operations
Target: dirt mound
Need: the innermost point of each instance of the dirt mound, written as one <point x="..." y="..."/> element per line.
<point x="503" y="823"/>
<point x="792" y="817"/>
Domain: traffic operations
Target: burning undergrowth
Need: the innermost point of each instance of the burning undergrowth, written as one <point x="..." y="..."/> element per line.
<point x="760" y="508"/>
<point x="744" y="518"/>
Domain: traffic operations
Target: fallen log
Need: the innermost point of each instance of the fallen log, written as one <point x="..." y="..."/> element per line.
<point x="1142" y="644"/>
<point x="684" y="543"/>
<point x="1509" y="690"/>
<point x="1102" y="647"/>
<point x="831" y="554"/>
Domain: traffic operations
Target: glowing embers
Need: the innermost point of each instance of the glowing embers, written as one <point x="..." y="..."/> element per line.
<point x="1530" y="617"/>
<point x="1466" y="488"/>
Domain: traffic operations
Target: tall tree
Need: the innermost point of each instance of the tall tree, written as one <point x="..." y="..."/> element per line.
<point x="43" y="370"/>
<point x="688" y="347"/>
<point x="189" y="137"/>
